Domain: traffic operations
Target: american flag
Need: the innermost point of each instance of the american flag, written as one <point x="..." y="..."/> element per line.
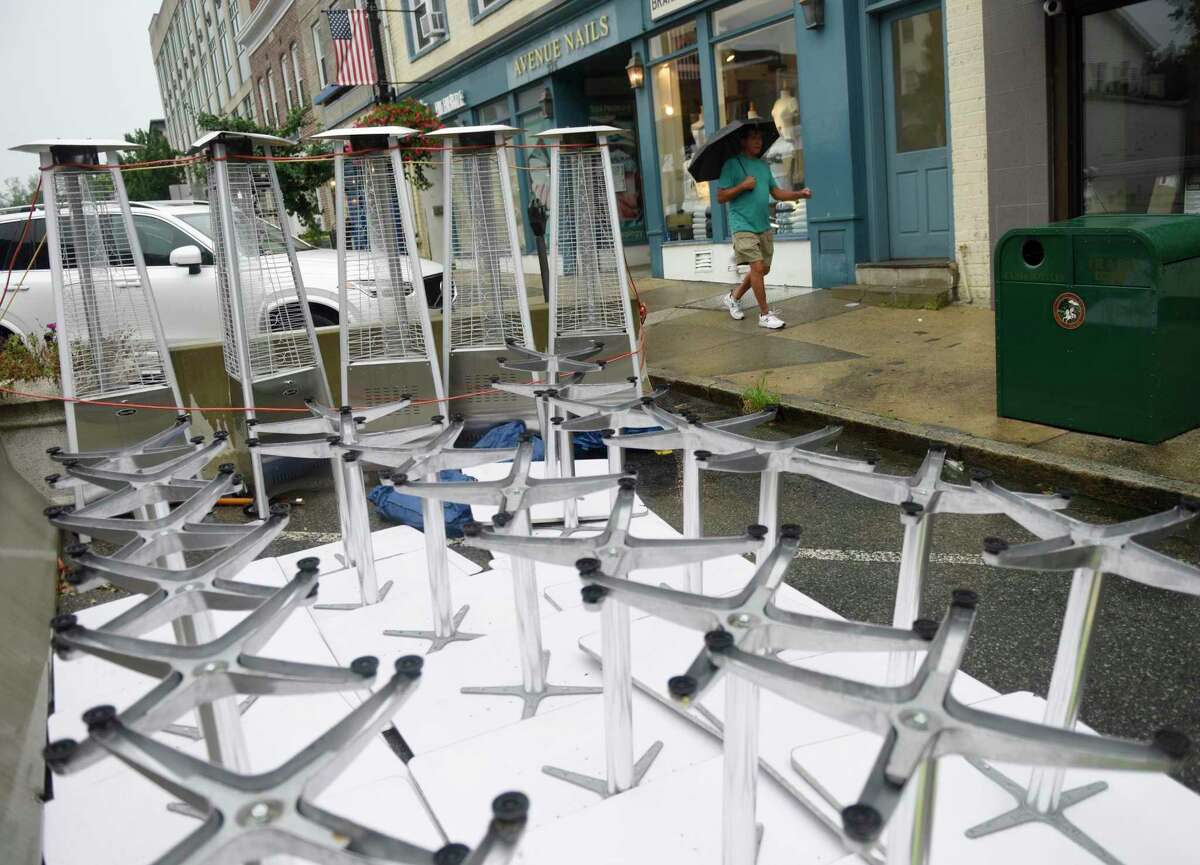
<point x="350" y="31"/>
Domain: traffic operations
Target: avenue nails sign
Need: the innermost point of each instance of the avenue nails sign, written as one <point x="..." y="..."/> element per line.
<point x="563" y="45"/>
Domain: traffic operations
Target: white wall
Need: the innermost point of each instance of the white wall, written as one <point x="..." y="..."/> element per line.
<point x="791" y="268"/>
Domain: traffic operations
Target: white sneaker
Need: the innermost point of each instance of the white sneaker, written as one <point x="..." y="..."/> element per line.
<point x="735" y="308"/>
<point x="771" y="321"/>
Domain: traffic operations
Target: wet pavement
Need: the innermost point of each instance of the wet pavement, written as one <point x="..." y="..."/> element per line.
<point x="1145" y="658"/>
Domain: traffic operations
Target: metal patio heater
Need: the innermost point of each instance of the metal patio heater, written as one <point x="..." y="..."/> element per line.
<point x="270" y="346"/>
<point x="386" y="339"/>
<point x="589" y="284"/>
<point x="111" y="346"/>
<point x="484" y="306"/>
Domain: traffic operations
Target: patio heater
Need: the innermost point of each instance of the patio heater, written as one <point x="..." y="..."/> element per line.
<point x="385" y="335"/>
<point x="484" y="306"/>
<point x="111" y="346"/>
<point x="589" y="283"/>
<point x="270" y="347"/>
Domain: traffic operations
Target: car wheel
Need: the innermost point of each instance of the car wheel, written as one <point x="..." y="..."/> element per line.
<point x="433" y="291"/>
<point x="323" y="318"/>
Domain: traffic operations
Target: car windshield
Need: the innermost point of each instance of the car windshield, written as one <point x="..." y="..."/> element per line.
<point x="202" y="222"/>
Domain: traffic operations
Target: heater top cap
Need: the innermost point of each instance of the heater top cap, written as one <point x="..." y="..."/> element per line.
<point x="225" y="135"/>
<point x="451" y="131"/>
<point x="580" y="130"/>
<point x="350" y="132"/>
<point x="105" y="145"/>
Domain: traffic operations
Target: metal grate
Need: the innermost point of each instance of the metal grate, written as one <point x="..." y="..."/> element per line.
<point x="590" y="299"/>
<point x="276" y="332"/>
<point x="482" y="283"/>
<point x="109" y="313"/>
<point x="384" y="314"/>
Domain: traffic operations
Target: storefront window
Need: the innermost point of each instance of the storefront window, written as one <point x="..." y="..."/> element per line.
<point x="679" y="124"/>
<point x="1141" y="109"/>
<point x="672" y="41"/>
<point x="756" y="77"/>
<point x="739" y="16"/>
<point x="535" y="154"/>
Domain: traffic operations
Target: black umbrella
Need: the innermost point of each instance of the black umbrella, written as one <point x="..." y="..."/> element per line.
<point x="712" y="156"/>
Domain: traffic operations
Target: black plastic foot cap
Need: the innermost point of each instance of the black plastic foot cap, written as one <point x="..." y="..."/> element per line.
<point x="862" y="822"/>
<point x="99" y="717"/>
<point x="911" y="509"/>
<point x="452" y="854"/>
<point x="789" y="531"/>
<point x="226" y="469"/>
<point x="627" y="483"/>
<point x="501" y="519"/>
<point x="279" y="510"/>
<point x="994" y="546"/>
<point x="703" y="455"/>
<point x="197" y="440"/>
<point x="410" y="665"/>
<point x="75" y="549"/>
<point x="62" y="624"/>
<point x="964" y="598"/>
<point x="757" y="531"/>
<point x="525" y="437"/>
<point x="979" y="475"/>
<point x="510" y="807"/>
<point x="437" y="418"/>
<point x="592" y="594"/>
<point x="1173" y="743"/>
<point x="472" y="529"/>
<point x="926" y="629"/>
<point x="59" y="752"/>
<point x="309" y="563"/>
<point x="588" y="566"/>
<point x="682" y="687"/>
<point x="718" y="641"/>
<point x="365" y="666"/>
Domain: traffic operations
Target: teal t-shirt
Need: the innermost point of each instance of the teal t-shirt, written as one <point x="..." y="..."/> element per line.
<point x="749" y="211"/>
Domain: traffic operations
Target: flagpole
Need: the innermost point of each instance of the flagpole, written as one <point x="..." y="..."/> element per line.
<point x="383" y="91"/>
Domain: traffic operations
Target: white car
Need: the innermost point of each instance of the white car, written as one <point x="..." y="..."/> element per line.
<point x="176" y="240"/>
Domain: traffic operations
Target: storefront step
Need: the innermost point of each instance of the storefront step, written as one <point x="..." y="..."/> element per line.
<point x="919" y="296"/>
<point x="907" y="272"/>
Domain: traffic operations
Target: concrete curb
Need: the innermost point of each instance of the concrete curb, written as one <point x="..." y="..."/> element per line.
<point x="1053" y="471"/>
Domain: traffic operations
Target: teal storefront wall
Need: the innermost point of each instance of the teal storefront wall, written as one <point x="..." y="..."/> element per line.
<point x="830" y="71"/>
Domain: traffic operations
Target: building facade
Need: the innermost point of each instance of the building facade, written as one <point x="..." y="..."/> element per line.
<point x="925" y="128"/>
<point x="200" y="66"/>
<point x="858" y="92"/>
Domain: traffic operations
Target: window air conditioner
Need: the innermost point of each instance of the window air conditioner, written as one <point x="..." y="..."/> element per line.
<point x="432" y="25"/>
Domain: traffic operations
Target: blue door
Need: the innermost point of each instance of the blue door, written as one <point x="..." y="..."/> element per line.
<point x="914" y="109"/>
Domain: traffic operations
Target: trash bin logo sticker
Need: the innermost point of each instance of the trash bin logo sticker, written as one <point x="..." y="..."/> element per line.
<point x="1069" y="310"/>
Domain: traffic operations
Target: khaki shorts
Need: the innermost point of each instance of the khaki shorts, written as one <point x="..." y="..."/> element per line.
<point x="750" y="247"/>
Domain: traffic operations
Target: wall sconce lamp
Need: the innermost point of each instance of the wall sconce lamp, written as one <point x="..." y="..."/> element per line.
<point x="547" y="104"/>
<point x="636" y="71"/>
<point x="814" y="14"/>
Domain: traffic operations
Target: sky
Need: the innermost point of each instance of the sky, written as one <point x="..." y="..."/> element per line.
<point x="74" y="69"/>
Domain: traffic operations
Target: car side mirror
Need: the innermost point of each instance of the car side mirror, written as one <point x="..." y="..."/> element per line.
<point x="187" y="256"/>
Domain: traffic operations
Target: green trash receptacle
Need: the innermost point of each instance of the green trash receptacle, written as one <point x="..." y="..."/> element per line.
<point x="1098" y="325"/>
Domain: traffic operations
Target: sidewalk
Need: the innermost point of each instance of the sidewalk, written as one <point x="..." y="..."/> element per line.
<point x="901" y="377"/>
